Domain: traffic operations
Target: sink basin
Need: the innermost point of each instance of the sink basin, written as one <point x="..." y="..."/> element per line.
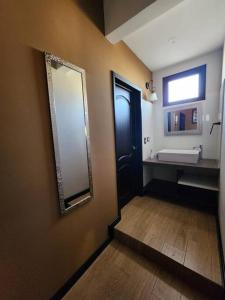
<point x="183" y="156"/>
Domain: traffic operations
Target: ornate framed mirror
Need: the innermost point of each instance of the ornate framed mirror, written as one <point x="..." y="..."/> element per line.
<point x="69" y="119"/>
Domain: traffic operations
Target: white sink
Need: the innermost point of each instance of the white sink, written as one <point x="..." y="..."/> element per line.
<point x="183" y="156"/>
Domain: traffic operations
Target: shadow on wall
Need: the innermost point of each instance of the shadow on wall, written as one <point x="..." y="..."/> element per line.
<point x="94" y="11"/>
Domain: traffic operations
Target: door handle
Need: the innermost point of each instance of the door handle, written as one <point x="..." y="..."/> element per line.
<point x="134" y="147"/>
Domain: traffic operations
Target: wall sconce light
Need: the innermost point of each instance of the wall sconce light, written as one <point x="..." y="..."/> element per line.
<point x="152" y="96"/>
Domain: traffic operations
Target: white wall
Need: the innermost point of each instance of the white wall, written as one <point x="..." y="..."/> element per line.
<point x="147" y="131"/>
<point x="223" y="69"/>
<point x="211" y="147"/>
<point x="222" y="166"/>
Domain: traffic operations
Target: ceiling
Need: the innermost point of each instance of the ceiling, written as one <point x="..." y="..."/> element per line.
<point x="189" y="29"/>
<point x="124" y="17"/>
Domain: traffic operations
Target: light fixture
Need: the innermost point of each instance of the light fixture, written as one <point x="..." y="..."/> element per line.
<point x="152" y="96"/>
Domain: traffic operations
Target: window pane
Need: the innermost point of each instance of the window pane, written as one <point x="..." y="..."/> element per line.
<point x="184" y="88"/>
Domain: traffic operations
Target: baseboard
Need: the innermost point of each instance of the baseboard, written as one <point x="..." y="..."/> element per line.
<point x="75" y="277"/>
<point x="222" y="262"/>
<point x="111" y="226"/>
<point x="146" y="188"/>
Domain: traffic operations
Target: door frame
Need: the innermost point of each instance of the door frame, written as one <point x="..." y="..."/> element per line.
<point x="136" y="97"/>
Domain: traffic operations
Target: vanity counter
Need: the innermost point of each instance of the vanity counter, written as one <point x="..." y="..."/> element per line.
<point x="211" y="164"/>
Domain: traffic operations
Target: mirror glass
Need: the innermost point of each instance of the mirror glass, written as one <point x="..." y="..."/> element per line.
<point x="183" y="120"/>
<point x="69" y="116"/>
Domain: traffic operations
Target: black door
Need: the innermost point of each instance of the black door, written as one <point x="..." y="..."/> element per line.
<point x="127" y="137"/>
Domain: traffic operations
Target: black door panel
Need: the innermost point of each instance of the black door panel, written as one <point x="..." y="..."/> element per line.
<point x="125" y="144"/>
<point x="128" y="139"/>
<point x="125" y="182"/>
<point x="123" y="118"/>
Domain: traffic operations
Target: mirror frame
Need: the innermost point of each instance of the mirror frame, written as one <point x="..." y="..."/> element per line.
<point x="197" y="131"/>
<point x="84" y="198"/>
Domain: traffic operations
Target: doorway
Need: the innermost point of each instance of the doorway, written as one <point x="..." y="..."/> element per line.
<point x="128" y="139"/>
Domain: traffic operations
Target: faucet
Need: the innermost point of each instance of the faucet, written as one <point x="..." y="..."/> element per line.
<point x="200" y="148"/>
<point x="215" y="123"/>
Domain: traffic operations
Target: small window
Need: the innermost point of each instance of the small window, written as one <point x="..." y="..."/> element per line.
<point x="185" y="87"/>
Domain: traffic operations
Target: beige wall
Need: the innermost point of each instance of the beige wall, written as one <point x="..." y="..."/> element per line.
<point x="40" y="249"/>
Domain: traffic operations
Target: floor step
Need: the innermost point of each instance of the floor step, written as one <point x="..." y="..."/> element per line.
<point x="181" y="239"/>
<point x="120" y="273"/>
<point x="191" y="277"/>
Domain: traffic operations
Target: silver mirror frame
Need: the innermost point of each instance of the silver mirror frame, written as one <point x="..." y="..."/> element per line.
<point x="87" y="197"/>
<point x="197" y="131"/>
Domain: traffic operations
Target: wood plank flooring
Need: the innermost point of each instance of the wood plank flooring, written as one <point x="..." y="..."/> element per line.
<point x="186" y="235"/>
<point x="121" y="274"/>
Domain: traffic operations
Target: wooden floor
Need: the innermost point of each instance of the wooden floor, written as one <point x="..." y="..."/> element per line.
<point x="121" y="274"/>
<point x="186" y="235"/>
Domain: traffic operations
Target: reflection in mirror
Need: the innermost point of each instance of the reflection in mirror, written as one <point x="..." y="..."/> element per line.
<point x="69" y="116"/>
<point x="185" y="120"/>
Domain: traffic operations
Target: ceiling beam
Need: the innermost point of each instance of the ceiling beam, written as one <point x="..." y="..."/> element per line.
<point x="124" y="17"/>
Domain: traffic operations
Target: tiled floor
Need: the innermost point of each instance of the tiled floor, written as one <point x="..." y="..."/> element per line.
<point x="186" y="235"/>
<point x="121" y="274"/>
